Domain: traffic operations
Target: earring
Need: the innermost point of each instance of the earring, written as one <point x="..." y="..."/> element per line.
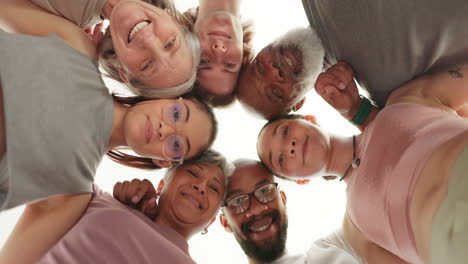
<point x="204" y="231"/>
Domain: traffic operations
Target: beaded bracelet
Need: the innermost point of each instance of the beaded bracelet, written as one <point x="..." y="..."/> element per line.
<point x="361" y="116"/>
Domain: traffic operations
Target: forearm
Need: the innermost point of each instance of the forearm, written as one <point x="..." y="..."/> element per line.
<point x="41" y="225"/>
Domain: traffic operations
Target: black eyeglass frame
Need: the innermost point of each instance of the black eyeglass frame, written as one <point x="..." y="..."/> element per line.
<point x="253" y="194"/>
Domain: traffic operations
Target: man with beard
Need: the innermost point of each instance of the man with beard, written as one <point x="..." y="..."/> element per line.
<point x="387" y="42"/>
<point x="255" y="212"/>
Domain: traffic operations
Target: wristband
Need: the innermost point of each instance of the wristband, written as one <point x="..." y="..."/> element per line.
<point x="361" y="116"/>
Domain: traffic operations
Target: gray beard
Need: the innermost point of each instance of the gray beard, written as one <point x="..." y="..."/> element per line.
<point x="309" y="44"/>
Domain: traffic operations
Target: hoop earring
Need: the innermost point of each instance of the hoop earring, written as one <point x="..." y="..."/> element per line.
<point x="204" y="231"/>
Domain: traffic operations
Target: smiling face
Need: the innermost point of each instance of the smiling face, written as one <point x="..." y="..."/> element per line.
<point x="167" y="129"/>
<point x="220" y="35"/>
<point x="150" y="44"/>
<point x="261" y="230"/>
<point x="191" y="197"/>
<point x="294" y="148"/>
<point x="281" y="73"/>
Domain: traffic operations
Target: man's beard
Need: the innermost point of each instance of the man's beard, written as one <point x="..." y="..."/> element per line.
<point x="267" y="252"/>
<point x="309" y="45"/>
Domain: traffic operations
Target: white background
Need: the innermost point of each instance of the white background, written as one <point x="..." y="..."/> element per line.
<point x="314" y="210"/>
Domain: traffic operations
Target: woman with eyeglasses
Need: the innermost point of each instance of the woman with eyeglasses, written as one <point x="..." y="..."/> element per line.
<point x="189" y="197"/>
<point x="149" y="46"/>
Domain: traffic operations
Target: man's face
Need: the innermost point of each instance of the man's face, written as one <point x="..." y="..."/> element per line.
<point x="262" y="228"/>
<point x="279" y="76"/>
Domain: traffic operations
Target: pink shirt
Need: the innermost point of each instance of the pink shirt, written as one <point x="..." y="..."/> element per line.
<point x="396" y="147"/>
<point x="110" y="232"/>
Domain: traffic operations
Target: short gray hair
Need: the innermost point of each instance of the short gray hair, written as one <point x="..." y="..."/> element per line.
<point x="211" y="157"/>
<point x="109" y="62"/>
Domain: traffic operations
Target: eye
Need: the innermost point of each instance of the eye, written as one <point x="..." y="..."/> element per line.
<point x="230" y="65"/>
<point x="191" y="172"/>
<point x="176" y="114"/>
<point x="204" y="61"/>
<point x="285" y="131"/>
<point x="176" y="147"/>
<point x="277" y="92"/>
<point x="281" y="160"/>
<point x="170" y="44"/>
<point x="236" y="201"/>
<point x="259" y="66"/>
<point x="214" y="188"/>
<point x="147" y="66"/>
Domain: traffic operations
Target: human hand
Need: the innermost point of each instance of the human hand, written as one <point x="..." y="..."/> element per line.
<point x="138" y="194"/>
<point x="95" y="33"/>
<point x="337" y="87"/>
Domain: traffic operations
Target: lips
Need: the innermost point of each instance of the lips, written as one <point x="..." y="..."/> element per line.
<point x="192" y="199"/>
<point x="290" y="58"/>
<point x="261" y="225"/>
<point x="137" y="27"/>
<point x="304" y="150"/>
<point x="220" y="34"/>
<point x="148" y="130"/>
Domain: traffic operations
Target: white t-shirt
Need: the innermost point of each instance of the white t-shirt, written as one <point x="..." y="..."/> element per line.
<point x="332" y="249"/>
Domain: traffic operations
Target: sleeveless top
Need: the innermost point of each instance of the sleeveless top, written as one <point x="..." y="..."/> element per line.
<point x="396" y="147"/>
<point x="58" y="118"/>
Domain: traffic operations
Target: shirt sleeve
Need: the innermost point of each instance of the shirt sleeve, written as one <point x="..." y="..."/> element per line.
<point x="84" y="13"/>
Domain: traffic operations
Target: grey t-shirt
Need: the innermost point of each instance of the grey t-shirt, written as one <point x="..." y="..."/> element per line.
<point x="58" y="118"/>
<point x="389" y="42"/>
<point x="84" y="13"/>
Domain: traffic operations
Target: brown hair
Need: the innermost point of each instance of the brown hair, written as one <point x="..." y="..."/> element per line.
<point x="139" y="162"/>
<point x="191" y="16"/>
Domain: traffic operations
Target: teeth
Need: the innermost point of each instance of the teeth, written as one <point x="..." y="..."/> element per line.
<point x="289" y="62"/>
<point x="260" y="228"/>
<point x="137" y="28"/>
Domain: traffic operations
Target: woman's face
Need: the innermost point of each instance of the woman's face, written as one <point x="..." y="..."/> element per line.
<point x="150" y="44"/>
<point x="167" y="129"/>
<point x="192" y="195"/>
<point x="221" y="37"/>
<point x="294" y="148"/>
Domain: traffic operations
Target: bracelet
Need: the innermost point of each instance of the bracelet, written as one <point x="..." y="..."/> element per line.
<point x="361" y="116"/>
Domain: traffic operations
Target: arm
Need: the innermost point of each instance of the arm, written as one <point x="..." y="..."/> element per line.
<point x="337" y="87"/>
<point x="44" y="223"/>
<point x="83" y="13"/>
<point x="23" y="17"/>
<point x="366" y="249"/>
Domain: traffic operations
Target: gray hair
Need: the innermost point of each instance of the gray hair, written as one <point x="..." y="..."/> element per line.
<point x="109" y="62"/>
<point x="211" y="157"/>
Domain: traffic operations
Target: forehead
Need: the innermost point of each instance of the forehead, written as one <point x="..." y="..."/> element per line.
<point x="198" y="128"/>
<point x="246" y="179"/>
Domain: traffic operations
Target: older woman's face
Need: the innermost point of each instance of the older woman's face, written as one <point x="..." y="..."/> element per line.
<point x="192" y="196"/>
<point x="221" y="37"/>
<point x="167" y="129"/>
<point x="150" y="44"/>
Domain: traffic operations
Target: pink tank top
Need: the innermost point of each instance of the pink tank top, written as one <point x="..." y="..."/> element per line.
<point x="395" y="148"/>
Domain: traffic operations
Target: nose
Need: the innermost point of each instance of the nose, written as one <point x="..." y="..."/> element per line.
<point x="200" y="188"/>
<point x="291" y="149"/>
<point x="219" y="47"/>
<point x="256" y="208"/>
<point x="165" y="130"/>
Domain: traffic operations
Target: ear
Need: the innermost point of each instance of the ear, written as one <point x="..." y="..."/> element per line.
<point x="162" y="163"/>
<point x="298" y="105"/>
<point x="160" y="186"/>
<point x="224" y="223"/>
<point x="302" y="182"/>
<point x="122" y="75"/>
<point x="312" y="119"/>
<point x="283" y="197"/>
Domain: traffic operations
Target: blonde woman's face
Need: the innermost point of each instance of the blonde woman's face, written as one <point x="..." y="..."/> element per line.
<point x="150" y="44"/>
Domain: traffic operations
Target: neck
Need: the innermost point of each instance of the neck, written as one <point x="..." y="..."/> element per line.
<point x="209" y="6"/>
<point x="174" y="226"/>
<point x="117" y="137"/>
<point x="341" y="155"/>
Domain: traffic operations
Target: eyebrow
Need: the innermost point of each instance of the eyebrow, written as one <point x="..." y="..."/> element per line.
<point x="188" y="146"/>
<point x="270" y="154"/>
<point x="188" y="112"/>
